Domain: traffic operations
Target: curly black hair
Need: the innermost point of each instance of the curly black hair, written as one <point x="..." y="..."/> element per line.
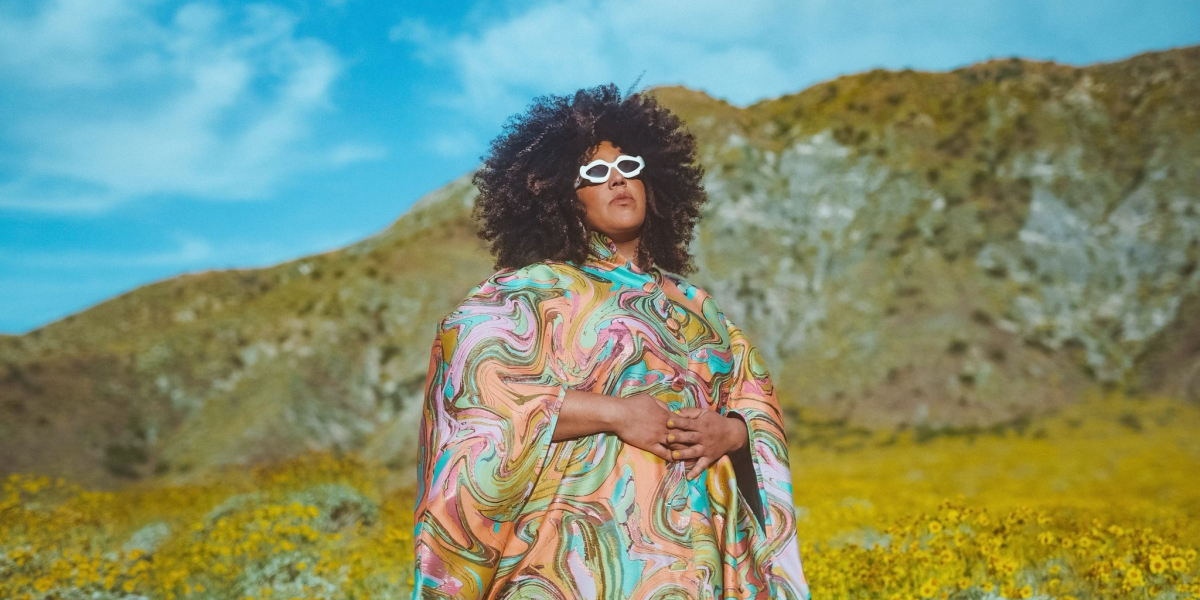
<point x="527" y="207"/>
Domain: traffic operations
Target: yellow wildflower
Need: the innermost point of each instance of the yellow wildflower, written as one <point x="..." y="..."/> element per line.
<point x="929" y="588"/>
<point x="1157" y="564"/>
<point x="1133" y="578"/>
<point x="43" y="584"/>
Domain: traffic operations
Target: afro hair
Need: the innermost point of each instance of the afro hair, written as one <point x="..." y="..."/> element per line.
<point x="527" y="208"/>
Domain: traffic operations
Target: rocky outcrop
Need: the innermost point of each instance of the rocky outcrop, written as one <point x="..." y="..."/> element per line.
<point x="930" y="249"/>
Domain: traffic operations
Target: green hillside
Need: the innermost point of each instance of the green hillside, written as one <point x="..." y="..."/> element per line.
<point x="933" y="250"/>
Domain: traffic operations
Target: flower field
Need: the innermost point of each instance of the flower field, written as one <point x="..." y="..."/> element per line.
<point x="1098" y="501"/>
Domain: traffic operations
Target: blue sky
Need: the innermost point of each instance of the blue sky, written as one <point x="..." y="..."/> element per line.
<point x="140" y="139"/>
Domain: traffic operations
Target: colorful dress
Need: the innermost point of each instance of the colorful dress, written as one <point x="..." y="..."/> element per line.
<point x="504" y="512"/>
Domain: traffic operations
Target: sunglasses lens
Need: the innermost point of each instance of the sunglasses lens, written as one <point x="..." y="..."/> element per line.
<point x="627" y="166"/>
<point x="598" y="171"/>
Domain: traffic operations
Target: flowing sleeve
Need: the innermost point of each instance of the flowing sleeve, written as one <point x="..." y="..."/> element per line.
<point x="491" y="404"/>
<point x="752" y="397"/>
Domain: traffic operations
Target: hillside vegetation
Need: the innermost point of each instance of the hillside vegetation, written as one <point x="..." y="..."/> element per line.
<point x="933" y="252"/>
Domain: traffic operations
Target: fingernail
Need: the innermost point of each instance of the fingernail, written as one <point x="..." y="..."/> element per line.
<point x="671" y="423"/>
<point x="675" y="454"/>
<point x="671" y="438"/>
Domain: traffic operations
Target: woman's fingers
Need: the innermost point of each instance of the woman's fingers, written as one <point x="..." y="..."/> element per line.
<point x="702" y="463"/>
<point x="662" y="452"/>
<point x="682" y="437"/>
<point x="691" y="412"/>
<point x="682" y="422"/>
<point x="693" y="451"/>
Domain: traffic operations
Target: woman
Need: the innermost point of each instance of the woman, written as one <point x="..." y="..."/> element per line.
<point x="594" y="426"/>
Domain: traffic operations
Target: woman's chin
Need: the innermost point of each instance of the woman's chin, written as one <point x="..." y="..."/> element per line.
<point x="621" y="231"/>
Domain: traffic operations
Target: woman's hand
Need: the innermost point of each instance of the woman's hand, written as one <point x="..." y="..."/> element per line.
<point x="642" y="423"/>
<point x="705" y="436"/>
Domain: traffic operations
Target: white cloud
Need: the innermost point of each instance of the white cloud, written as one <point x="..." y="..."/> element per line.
<point x="741" y="52"/>
<point x="123" y="100"/>
<point x="70" y="43"/>
<point x="748" y="50"/>
<point x="561" y="46"/>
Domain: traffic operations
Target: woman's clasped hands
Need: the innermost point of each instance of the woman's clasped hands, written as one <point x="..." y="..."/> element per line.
<point x="695" y="436"/>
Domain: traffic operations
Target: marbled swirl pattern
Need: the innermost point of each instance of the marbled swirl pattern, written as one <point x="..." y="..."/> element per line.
<point x="504" y="512"/>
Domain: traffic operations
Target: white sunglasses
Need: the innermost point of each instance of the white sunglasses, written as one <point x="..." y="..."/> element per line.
<point x="599" y="170"/>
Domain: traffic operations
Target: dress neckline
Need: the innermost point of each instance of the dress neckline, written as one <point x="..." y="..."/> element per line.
<point x="602" y="252"/>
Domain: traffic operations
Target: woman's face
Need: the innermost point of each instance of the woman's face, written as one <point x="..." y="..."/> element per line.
<point x="616" y="207"/>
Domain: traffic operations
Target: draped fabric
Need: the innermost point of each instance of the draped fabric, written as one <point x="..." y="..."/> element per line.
<point x="504" y="512"/>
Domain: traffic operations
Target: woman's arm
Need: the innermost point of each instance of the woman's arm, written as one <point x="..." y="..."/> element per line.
<point x="752" y="397"/>
<point x="586" y="413"/>
<point x="485" y="433"/>
<point x="639" y="421"/>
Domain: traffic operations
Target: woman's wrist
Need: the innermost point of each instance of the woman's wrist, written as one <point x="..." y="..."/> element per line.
<point x="609" y="413"/>
<point x="603" y="411"/>
<point x="739" y="433"/>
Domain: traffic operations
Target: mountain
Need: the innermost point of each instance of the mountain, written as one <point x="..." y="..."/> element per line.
<point x="907" y="248"/>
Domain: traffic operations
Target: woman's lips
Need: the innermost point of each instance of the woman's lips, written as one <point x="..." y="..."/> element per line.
<point x="621" y="199"/>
